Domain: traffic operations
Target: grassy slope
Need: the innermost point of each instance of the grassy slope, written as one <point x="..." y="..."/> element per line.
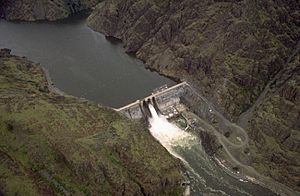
<point x="230" y="51"/>
<point x="53" y="144"/>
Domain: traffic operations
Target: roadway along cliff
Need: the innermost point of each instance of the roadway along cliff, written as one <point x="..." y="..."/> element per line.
<point x="241" y="55"/>
<point x="53" y="145"/>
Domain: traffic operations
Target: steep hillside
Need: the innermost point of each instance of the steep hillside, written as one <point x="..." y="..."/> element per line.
<point x="30" y="10"/>
<point x="52" y="144"/>
<point x="241" y="55"/>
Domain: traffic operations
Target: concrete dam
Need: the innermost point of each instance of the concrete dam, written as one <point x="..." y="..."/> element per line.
<point x="192" y="117"/>
<point x="164" y="99"/>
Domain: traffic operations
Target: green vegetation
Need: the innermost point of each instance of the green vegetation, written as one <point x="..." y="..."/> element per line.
<point x="240" y="55"/>
<point x="51" y="144"/>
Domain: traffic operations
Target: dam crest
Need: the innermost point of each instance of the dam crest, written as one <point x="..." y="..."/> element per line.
<point x="165" y="100"/>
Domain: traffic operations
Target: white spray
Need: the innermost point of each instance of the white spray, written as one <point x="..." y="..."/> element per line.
<point x="171" y="137"/>
<point x="168" y="134"/>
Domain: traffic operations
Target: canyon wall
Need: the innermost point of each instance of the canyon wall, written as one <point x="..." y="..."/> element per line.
<point x="51" y="10"/>
<point x="242" y="55"/>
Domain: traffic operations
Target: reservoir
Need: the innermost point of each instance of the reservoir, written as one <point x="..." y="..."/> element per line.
<point x="82" y="62"/>
<point x="85" y="64"/>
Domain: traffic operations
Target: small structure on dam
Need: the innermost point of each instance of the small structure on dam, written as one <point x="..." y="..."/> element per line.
<point x="164" y="100"/>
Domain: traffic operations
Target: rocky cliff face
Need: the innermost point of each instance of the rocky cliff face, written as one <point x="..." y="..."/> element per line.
<point x="243" y="55"/>
<point x="274" y="127"/>
<point x="29" y="10"/>
<point x="57" y="145"/>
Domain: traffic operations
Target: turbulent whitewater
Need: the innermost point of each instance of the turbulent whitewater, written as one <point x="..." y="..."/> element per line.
<point x="168" y="134"/>
<point x="206" y="177"/>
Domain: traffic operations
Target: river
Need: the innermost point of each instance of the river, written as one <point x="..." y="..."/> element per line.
<point x="84" y="63"/>
<point x="206" y="177"/>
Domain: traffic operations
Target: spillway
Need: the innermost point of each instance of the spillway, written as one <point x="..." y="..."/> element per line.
<point x="166" y="133"/>
<point x="206" y="177"/>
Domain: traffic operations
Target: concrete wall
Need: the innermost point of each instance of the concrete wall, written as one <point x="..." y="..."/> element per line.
<point x="133" y="112"/>
<point x="165" y="99"/>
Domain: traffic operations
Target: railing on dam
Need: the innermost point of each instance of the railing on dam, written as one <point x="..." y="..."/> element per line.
<point x="165" y="97"/>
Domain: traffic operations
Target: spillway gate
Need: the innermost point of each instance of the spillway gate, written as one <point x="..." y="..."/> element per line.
<point x="166" y="99"/>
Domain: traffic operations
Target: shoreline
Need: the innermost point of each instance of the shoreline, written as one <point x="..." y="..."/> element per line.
<point x="283" y="189"/>
<point x="50" y="84"/>
<point x="53" y="89"/>
<point x="241" y="178"/>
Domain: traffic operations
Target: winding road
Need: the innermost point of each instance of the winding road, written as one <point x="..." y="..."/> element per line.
<point x="245" y="170"/>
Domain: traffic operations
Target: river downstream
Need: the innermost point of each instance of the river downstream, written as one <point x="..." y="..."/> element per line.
<point x="205" y="176"/>
<point x="84" y="63"/>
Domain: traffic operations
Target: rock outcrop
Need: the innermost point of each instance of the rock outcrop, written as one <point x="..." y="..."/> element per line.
<point x="209" y="142"/>
<point x="29" y="10"/>
<point x="242" y="55"/>
<point x="60" y="145"/>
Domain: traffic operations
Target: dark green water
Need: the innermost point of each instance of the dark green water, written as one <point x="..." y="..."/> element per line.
<point x="82" y="62"/>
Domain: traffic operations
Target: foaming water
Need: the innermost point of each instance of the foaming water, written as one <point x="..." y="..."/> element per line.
<point x="168" y="134"/>
<point x="206" y="177"/>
